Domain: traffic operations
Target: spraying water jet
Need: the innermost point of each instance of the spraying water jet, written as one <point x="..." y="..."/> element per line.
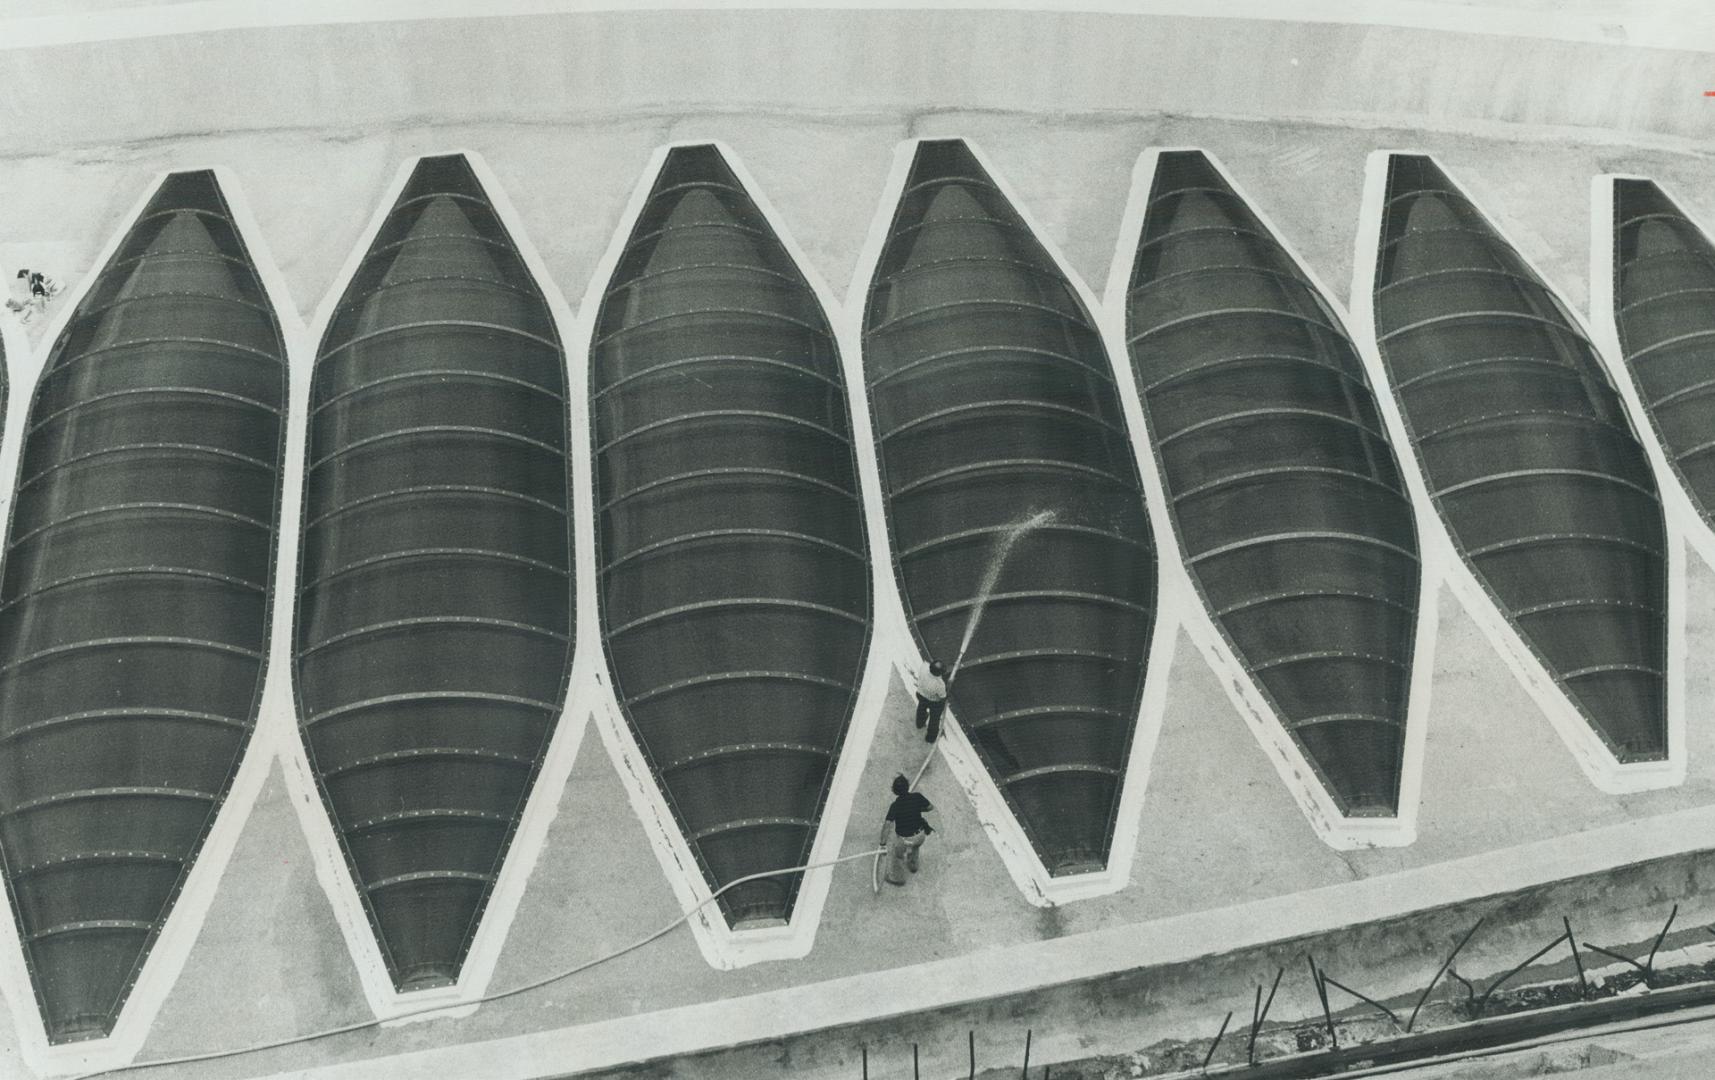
<point x="992" y="576"/>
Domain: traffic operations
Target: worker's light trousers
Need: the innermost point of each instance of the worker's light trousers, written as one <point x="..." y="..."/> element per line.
<point x="902" y="856"/>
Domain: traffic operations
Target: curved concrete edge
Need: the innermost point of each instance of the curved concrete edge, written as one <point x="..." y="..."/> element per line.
<point x="1598" y="763"/>
<point x="610" y="66"/>
<point x="1658" y="25"/>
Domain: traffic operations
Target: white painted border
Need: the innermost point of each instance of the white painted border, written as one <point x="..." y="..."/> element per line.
<point x="1335" y="829"/>
<point x="1659" y="26"/>
<point x="172" y="947"/>
<point x="722" y="946"/>
<point x="543" y="802"/>
<point x="1603" y="316"/>
<point x="1587" y="748"/>
<point x="985" y="974"/>
<point x="998" y="821"/>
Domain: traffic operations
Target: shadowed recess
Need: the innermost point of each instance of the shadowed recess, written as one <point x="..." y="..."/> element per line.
<point x="994" y="403"/>
<point x="734" y="569"/>
<point x="1284" y="491"/>
<point x="134" y="602"/>
<point x="1528" y="454"/>
<point x="434" y="627"/>
<point x="1664" y="310"/>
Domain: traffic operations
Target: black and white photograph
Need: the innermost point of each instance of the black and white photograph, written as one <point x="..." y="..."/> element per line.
<point x="825" y="540"/>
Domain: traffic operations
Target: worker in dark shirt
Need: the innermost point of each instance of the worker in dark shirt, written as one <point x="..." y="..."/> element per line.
<point x="905" y="839"/>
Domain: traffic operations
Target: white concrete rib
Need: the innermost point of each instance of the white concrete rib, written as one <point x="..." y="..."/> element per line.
<point x="1646" y="23"/>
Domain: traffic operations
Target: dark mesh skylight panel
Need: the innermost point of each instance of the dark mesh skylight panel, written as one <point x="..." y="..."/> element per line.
<point x="1284" y="490"/>
<point x="433" y="636"/>
<point x="1529" y="455"/>
<point x="134" y="608"/>
<point x="735" y="582"/>
<point x="994" y="401"/>
<point x="1664" y="311"/>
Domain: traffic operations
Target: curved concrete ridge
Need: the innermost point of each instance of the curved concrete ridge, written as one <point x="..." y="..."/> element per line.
<point x="1669" y="24"/>
<point x="565" y="61"/>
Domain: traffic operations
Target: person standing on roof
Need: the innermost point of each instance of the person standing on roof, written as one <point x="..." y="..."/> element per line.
<point x="905" y="839"/>
<point x="31" y="291"/>
<point x="931" y="699"/>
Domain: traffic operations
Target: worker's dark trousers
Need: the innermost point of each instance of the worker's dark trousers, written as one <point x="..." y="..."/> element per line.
<point x="930" y="712"/>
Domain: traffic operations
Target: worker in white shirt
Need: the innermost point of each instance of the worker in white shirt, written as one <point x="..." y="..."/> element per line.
<point x="931" y="700"/>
